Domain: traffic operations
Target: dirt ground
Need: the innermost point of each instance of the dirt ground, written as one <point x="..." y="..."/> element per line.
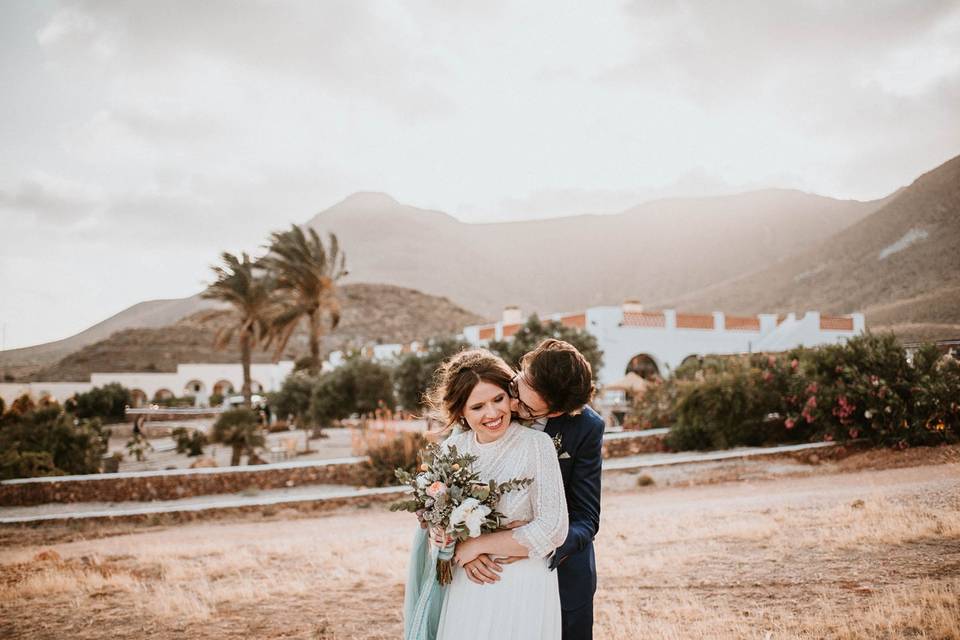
<point x="866" y="547"/>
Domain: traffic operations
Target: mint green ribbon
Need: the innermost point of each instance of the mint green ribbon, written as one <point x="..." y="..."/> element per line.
<point x="423" y="597"/>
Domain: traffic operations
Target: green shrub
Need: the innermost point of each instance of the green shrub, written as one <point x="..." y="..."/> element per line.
<point x="190" y="441"/>
<point x="294" y="396"/>
<point x="48" y="441"/>
<point x="866" y="388"/>
<point x="138" y="446"/>
<point x="357" y="386"/>
<point x="177" y="402"/>
<point x="413" y="372"/>
<point x="739" y="406"/>
<point x="656" y="408"/>
<point x="108" y="403"/>
<point x="239" y="429"/>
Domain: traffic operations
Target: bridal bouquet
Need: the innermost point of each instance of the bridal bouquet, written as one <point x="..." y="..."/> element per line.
<point x="448" y="495"/>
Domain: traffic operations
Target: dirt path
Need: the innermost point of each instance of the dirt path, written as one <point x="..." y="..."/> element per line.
<point x="865" y="554"/>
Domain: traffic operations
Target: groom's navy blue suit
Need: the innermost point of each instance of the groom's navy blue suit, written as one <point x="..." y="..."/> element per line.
<point x="581" y="438"/>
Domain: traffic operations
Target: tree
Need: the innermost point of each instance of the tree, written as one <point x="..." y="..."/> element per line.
<point x="534" y="332"/>
<point x="306" y="274"/>
<point x="252" y="304"/>
<point x="358" y="385"/>
<point x="240" y="430"/>
<point x="50" y="442"/>
<point x="108" y="402"/>
<point x="414" y="372"/>
<point x="294" y="396"/>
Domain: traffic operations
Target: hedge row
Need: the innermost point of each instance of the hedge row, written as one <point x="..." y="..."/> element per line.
<point x="866" y="388"/>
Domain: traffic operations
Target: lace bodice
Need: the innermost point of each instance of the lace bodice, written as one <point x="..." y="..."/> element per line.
<point x="523" y="453"/>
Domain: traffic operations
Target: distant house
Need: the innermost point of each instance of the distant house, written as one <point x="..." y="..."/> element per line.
<point x="658" y="341"/>
<point x="200" y="380"/>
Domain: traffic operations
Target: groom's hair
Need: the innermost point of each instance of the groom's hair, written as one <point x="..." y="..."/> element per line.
<point x="560" y="374"/>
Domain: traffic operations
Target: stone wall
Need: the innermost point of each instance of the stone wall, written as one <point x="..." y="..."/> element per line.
<point x="633" y="443"/>
<point x="186" y="483"/>
<point x="182" y="483"/>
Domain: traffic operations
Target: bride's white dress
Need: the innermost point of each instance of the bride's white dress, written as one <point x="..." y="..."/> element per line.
<point x="525" y="603"/>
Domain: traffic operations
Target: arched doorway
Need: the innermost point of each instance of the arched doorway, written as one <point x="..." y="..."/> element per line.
<point x="138" y="397"/>
<point x="194" y="388"/>
<point x="223" y="388"/>
<point x="690" y="361"/>
<point x="644" y="366"/>
<point x="162" y="395"/>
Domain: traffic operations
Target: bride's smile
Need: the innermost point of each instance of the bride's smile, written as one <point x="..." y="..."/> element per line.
<point x="487" y="411"/>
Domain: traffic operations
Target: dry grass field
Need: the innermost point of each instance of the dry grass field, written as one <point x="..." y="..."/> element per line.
<point x="863" y="554"/>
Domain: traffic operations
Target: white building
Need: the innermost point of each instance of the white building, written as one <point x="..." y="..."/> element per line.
<point x="198" y="380"/>
<point x="634" y="339"/>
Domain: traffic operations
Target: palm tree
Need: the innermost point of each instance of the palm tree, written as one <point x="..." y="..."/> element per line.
<point x="306" y="274"/>
<point x="251" y="300"/>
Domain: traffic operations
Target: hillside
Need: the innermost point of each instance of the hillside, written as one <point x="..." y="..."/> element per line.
<point x="24" y="362"/>
<point x="900" y="265"/>
<point x="653" y="251"/>
<point x="371" y="313"/>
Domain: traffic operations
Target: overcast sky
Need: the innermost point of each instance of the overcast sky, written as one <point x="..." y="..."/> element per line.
<point x="140" y="139"/>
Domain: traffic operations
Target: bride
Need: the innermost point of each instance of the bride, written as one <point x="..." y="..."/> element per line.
<point x="471" y="393"/>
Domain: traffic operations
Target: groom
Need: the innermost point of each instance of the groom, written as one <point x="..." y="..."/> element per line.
<point x="552" y="390"/>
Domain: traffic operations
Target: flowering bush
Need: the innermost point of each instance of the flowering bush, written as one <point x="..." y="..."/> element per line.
<point x="656" y="408"/>
<point x="741" y="403"/>
<point x="866" y="388"/>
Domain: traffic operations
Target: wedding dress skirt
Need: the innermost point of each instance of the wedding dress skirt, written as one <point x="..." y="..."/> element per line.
<point x="490" y="611"/>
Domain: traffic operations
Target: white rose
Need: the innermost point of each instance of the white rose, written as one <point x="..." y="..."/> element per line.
<point x="470" y="513"/>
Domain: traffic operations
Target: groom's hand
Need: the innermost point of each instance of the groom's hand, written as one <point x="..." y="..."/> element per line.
<point x="483" y="570"/>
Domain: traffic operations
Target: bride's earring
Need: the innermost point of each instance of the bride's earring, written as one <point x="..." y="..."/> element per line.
<point x="463" y="421"/>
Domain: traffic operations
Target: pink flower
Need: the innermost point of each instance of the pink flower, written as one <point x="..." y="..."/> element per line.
<point x="436" y="489"/>
<point x="771" y="360"/>
<point x="854" y="433"/>
<point x="789" y="423"/>
<point x="828" y="438"/>
<point x="767" y="376"/>
<point x="812" y="402"/>
<point x="794" y="364"/>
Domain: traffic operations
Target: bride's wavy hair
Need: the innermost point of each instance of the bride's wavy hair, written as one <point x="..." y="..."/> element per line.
<point x="454" y="380"/>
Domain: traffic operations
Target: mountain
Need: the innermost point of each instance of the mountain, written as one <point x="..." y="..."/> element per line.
<point x="150" y="314"/>
<point x="654" y="252"/>
<point x="371" y="313"/>
<point x="900" y="266"/>
<point x="650" y="252"/>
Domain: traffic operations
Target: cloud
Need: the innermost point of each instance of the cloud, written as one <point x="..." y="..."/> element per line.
<point x="51" y="198"/>
<point x="351" y="48"/>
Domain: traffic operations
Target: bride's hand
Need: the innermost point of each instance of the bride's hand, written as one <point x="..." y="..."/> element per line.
<point x="467" y="551"/>
<point x="513" y="524"/>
